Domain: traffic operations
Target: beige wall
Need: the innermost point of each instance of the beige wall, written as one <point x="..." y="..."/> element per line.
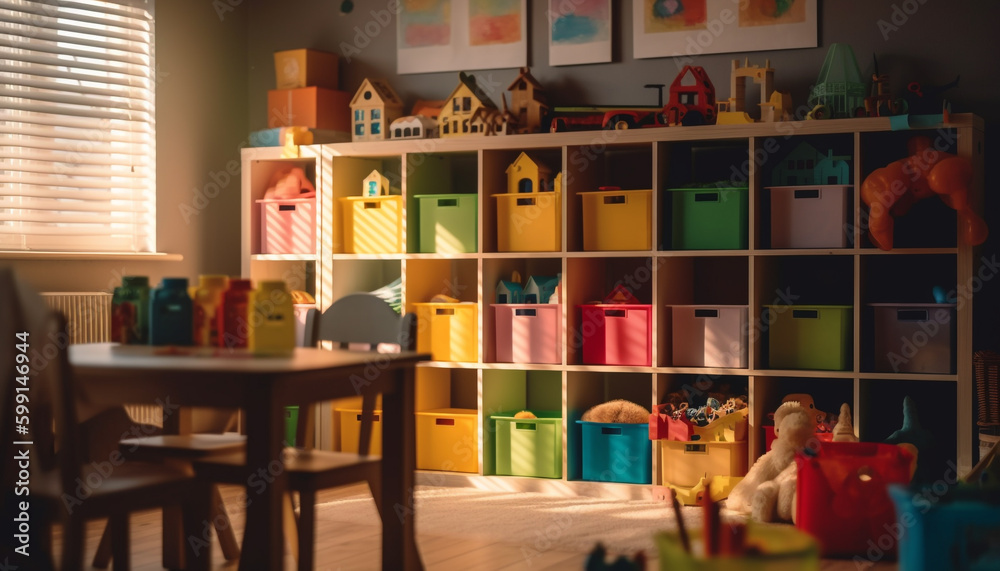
<point x="201" y="62"/>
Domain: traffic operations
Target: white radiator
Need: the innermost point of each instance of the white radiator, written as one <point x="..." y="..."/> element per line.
<point x="88" y="317"/>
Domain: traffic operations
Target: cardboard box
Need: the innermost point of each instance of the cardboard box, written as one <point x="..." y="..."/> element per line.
<point x="305" y="68"/>
<point x="313" y="107"/>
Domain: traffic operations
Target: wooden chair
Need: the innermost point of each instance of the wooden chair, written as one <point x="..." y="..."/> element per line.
<point x="59" y="463"/>
<point x="354" y="319"/>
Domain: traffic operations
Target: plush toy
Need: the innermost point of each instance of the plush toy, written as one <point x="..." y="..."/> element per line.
<point x="525" y="414"/>
<point x="617" y="411"/>
<point x="928" y="456"/>
<point x="768" y="490"/>
<point x="291" y="183"/>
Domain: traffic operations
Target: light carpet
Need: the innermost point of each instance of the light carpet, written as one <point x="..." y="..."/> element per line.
<point x="531" y="520"/>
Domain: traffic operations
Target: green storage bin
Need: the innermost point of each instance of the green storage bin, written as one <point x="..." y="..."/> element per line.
<point x="810" y="337"/>
<point x="529" y="446"/>
<point x="709" y="218"/>
<point x="291" y="424"/>
<point x="447" y="223"/>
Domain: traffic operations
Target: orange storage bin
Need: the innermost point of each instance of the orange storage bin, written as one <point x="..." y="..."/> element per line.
<point x="529" y="222"/>
<point x="615" y="219"/>
<point x="448" y="331"/>
<point x="350" y="430"/>
<point x="373" y="224"/>
<point x="313" y="107"/>
<point x="448" y="439"/>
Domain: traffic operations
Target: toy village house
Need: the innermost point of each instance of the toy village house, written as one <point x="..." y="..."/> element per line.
<point x="805" y="165"/>
<point x="464" y="102"/>
<point x="540" y="289"/>
<point x="375" y="185"/>
<point x="525" y="175"/>
<point x="528" y="104"/>
<point x="374" y="107"/>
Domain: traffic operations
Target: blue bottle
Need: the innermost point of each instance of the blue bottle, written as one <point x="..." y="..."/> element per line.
<point x="170" y="313"/>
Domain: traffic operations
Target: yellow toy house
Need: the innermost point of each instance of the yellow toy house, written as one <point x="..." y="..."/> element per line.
<point x="374" y="107"/>
<point x="456" y="115"/>
<point x="525" y="175"/>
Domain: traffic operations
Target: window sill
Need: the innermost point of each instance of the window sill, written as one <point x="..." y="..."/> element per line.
<point x="91" y="256"/>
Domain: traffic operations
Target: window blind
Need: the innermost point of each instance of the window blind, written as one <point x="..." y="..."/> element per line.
<point x="77" y="129"/>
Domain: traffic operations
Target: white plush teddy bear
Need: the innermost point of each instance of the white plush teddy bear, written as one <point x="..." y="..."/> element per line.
<point x="768" y="490"/>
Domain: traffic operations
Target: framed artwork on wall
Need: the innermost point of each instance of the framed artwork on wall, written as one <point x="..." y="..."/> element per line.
<point x="688" y="28"/>
<point x="461" y="35"/>
<point x="579" y="31"/>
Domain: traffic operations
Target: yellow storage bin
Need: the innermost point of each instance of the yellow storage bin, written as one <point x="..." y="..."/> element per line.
<point x="615" y="219"/>
<point x="686" y="463"/>
<point x="448" y="331"/>
<point x="529" y="222"/>
<point x="350" y="430"/>
<point x="373" y="224"/>
<point x="448" y="439"/>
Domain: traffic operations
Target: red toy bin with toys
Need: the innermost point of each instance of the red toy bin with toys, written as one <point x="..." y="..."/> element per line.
<point x="287" y="225"/>
<point x="809" y="216"/>
<point x="616" y="334"/>
<point x="842" y="495"/>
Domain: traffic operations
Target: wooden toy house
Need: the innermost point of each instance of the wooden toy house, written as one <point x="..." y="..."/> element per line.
<point x="414" y="127"/>
<point x="525" y="175"/>
<point x="540" y="288"/>
<point x="528" y="104"/>
<point x="456" y="115"/>
<point x="375" y="105"/>
<point x="375" y="185"/>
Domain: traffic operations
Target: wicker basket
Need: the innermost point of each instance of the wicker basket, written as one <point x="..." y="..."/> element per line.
<point x="987" y="366"/>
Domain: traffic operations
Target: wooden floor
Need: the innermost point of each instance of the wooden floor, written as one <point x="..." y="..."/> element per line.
<point x="352" y="547"/>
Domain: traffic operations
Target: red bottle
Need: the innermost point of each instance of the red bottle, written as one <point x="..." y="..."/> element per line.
<point x="234" y="329"/>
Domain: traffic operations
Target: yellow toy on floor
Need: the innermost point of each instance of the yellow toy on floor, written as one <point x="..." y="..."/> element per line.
<point x="767" y="492"/>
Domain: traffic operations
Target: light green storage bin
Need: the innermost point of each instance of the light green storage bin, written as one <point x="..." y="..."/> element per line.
<point x="529" y="446"/>
<point x="447" y="223"/>
<point x="709" y="218"/>
<point x="810" y="337"/>
<point x="291" y="424"/>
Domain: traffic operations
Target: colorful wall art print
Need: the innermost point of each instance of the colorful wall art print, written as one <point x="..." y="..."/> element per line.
<point x="579" y="31"/>
<point x="689" y="28"/>
<point x="461" y="35"/>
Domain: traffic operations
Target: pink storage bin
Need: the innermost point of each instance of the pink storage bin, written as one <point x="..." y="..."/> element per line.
<point x="616" y="334"/>
<point x="709" y="335"/>
<point x="809" y="216"/>
<point x="287" y="226"/>
<point x="528" y="333"/>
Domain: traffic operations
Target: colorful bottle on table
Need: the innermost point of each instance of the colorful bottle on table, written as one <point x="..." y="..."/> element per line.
<point x="170" y="313"/>
<point x="272" y="319"/>
<point x="233" y="315"/>
<point x="130" y="311"/>
<point x="205" y="304"/>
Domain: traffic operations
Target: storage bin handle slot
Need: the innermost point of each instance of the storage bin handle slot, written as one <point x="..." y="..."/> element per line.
<point x="805" y="314"/>
<point x="610" y="430"/>
<point x="527" y="312"/>
<point x="284" y="207"/>
<point x="706" y="313"/>
<point x="447" y="202"/>
<point x="444" y="421"/>
<point x="911" y="315"/>
<point x="614" y="313"/>
<point x="373" y="205"/>
<point x="810" y="193"/>
<point x="444" y="311"/>
<point x="706" y="197"/>
<point x="525" y="201"/>
<point x="524" y="426"/>
<point x="696" y="448"/>
<point x="374" y="418"/>
<point x="617" y="199"/>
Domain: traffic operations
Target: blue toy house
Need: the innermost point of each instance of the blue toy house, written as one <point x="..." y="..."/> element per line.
<point x="540" y="288"/>
<point x="509" y="291"/>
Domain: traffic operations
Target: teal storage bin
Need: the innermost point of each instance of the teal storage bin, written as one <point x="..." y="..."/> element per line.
<point x="935" y="533"/>
<point x="616" y="452"/>
<point x="709" y="218"/>
<point x="448" y="223"/>
<point x="529" y="446"/>
<point x="810" y="337"/>
<point x="291" y="424"/>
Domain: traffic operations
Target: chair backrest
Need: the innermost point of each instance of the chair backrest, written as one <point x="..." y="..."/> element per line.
<point x="361" y="318"/>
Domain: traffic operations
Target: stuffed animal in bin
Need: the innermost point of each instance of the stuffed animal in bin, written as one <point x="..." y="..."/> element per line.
<point x="617" y="411"/>
<point x="767" y="492"/>
<point x="291" y="183"/>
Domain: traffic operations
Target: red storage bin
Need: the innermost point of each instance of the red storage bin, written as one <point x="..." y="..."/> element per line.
<point x="842" y="495"/>
<point x="616" y="334"/>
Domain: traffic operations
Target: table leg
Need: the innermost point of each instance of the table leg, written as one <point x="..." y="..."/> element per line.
<point x="266" y="482"/>
<point x="399" y="458"/>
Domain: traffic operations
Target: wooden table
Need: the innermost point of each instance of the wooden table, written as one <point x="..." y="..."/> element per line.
<point x="108" y="374"/>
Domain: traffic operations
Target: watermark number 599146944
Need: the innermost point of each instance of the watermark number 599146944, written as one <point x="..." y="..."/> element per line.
<point x="22" y="441"/>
